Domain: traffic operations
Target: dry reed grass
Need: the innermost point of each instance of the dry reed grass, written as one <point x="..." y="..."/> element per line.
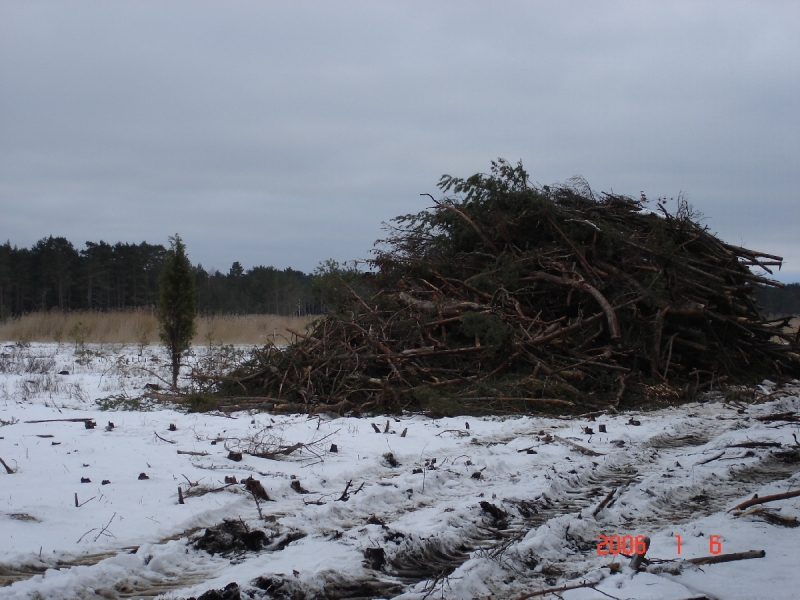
<point x="141" y="326"/>
<point x="794" y="325"/>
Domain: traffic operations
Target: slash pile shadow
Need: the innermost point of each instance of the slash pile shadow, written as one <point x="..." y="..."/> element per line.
<point x="506" y="296"/>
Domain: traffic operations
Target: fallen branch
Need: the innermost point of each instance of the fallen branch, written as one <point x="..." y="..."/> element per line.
<point x="199" y="490"/>
<point x="298" y="334"/>
<point x="9" y="470"/>
<point x="164" y="440"/>
<point x="190" y="453"/>
<point x="345" y="496"/>
<point x="253" y="400"/>
<point x="721" y="558"/>
<point x="771" y="516"/>
<point x="582" y="449"/>
<point x="522" y="399"/>
<point x="766" y="397"/>
<point x="784" y="416"/>
<point x="756" y="445"/>
<point x="605" y="501"/>
<point x="81" y="420"/>
<point x="756" y="500"/>
<point x="708" y="460"/>
<point x="555" y="590"/>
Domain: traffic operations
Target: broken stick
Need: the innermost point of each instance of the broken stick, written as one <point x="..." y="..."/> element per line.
<point x="9" y="470"/>
<point x="605" y="501"/>
<point x="638" y="559"/>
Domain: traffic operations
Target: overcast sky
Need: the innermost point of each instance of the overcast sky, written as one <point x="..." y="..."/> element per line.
<point x="284" y="133"/>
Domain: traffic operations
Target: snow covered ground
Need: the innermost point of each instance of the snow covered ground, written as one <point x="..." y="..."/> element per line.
<point x="448" y="508"/>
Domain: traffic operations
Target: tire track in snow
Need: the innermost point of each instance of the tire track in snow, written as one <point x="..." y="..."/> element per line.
<point x="629" y="470"/>
<point x="413" y="562"/>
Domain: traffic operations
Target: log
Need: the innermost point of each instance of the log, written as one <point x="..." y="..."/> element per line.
<point x="756" y="445"/>
<point x="756" y="500"/>
<point x="721" y="558"/>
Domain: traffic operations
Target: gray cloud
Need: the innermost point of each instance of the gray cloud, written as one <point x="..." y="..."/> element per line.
<point x="284" y="133"/>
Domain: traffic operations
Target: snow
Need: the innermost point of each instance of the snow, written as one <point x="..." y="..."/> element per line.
<point x="132" y="538"/>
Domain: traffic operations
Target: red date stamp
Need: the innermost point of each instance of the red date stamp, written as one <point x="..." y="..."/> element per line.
<point x="628" y="544"/>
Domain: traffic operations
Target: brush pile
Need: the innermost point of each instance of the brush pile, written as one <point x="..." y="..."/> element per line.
<point x="509" y="297"/>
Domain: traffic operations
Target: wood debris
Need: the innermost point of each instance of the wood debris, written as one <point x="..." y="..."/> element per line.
<point x="507" y="297"/>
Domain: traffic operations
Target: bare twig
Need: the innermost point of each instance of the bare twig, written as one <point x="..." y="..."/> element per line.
<point x="104" y="530"/>
<point x="164" y="440"/>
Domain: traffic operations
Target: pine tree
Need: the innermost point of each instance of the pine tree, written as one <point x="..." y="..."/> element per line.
<point x="176" y="307"/>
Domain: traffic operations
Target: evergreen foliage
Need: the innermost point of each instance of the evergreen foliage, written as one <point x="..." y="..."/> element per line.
<point x="334" y="285"/>
<point x="176" y="306"/>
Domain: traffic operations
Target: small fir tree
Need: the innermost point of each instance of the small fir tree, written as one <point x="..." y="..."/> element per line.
<point x="176" y="307"/>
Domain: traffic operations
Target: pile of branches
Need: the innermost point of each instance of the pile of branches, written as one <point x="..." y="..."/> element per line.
<point x="505" y="296"/>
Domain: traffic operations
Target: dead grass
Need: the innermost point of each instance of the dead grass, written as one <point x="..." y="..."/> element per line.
<point x="794" y="325"/>
<point x="141" y="326"/>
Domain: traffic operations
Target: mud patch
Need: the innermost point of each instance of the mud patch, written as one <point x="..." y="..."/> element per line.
<point x="236" y="537"/>
<point x="23" y="517"/>
<point x="229" y="592"/>
<point x="231" y="537"/>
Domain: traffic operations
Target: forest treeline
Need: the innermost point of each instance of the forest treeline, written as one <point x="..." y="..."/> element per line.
<point x="53" y="274"/>
<point x="780" y="302"/>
